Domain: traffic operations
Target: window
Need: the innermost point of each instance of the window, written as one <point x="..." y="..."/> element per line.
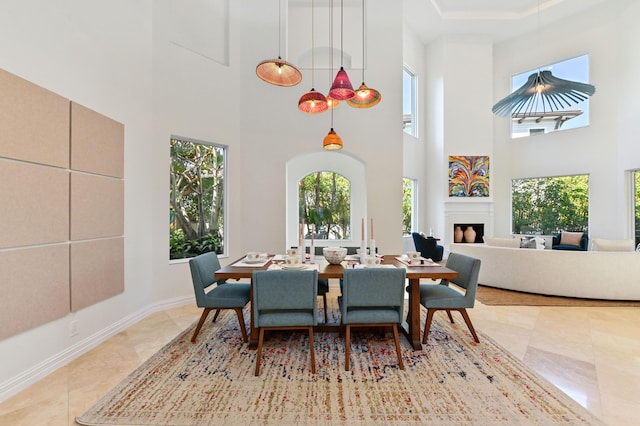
<point x="196" y="198"/>
<point x="409" y="203"/>
<point x="535" y="122"/>
<point x="550" y="204"/>
<point x="325" y="202"/>
<point x="409" y="102"/>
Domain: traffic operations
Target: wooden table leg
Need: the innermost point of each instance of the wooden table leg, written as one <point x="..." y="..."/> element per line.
<point x="413" y="315"/>
<point x="253" y="332"/>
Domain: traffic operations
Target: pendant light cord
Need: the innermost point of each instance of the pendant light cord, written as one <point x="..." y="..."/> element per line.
<point x="331" y="56"/>
<point x="341" y="33"/>
<point x="279" y="28"/>
<point x="313" y="47"/>
<point x="363" y="42"/>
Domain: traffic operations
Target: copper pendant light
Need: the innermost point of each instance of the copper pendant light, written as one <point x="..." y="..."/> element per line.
<point x="279" y="71"/>
<point x="312" y="102"/>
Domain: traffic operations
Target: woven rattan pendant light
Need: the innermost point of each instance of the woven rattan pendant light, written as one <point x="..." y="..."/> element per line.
<point x="277" y="71"/>
<point x="365" y="97"/>
<point x="312" y="102"/>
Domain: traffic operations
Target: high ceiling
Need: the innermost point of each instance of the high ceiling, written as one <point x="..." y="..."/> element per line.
<point x="497" y="19"/>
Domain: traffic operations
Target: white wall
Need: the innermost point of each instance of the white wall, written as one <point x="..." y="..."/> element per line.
<point x="605" y="148"/>
<point x="458" y="122"/>
<point x="71" y="48"/>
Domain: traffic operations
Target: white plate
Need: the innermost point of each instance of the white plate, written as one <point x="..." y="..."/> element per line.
<point x="297" y="266"/>
<point x="253" y="261"/>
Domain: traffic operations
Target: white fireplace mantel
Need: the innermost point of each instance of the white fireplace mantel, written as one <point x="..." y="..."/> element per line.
<point x="472" y="211"/>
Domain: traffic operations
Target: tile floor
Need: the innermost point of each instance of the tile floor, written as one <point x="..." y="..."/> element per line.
<point x="592" y="354"/>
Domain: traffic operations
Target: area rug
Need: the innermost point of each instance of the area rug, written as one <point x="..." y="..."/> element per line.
<point x="497" y="296"/>
<point x="452" y="381"/>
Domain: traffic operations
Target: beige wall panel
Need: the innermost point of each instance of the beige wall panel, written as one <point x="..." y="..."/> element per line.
<point x="97" y="206"/>
<point x="97" y="142"/>
<point x="35" y="287"/>
<point x="34" y="122"/>
<point x="97" y="271"/>
<point x="34" y="204"/>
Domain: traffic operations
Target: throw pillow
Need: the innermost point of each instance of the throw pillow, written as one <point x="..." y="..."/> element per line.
<point x="501" y="242"/>
<point x="570" y="238"/>
<point x="599" y="244"/>
<point x="528" y="243"/>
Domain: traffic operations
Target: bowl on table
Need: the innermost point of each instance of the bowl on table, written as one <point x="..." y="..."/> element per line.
<point x="334" y="255"/>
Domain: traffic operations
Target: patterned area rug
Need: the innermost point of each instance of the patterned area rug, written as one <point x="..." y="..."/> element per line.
<point x="452" y="381"/>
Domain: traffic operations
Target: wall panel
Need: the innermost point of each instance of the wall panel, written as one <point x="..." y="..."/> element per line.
<point x="34" y="287"/>
<point x="97" y="206"/>
<point x="35" y="204"/>
<point x="34" y="122"/>
<point x="97" y="142"/>
<point x="97" y="271"/>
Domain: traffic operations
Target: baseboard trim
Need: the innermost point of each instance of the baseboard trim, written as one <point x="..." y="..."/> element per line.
<point x="30" y="376"/>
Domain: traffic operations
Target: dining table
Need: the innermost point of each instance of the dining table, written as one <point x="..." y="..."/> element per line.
<point x="415" y="271"/>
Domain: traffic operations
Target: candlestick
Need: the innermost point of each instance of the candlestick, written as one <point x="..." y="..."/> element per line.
<point x="371" y="229"/>
<point x="362" y="230"/>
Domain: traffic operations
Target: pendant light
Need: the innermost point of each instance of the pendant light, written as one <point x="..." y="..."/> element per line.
<point x="543" y="90"/>
<point x="341" y="88"/>
<point x="365" y="97"/>
<point x="278" y="71"/>
<point x="312" y="102"/>
<point x="332" y="141"/>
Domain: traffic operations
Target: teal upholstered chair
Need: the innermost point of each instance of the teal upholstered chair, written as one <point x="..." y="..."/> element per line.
<point x="223" y="296"/>
<point x="372" y="297"/>
<point x="436" y="297"/>
<point x="285" y="300"/>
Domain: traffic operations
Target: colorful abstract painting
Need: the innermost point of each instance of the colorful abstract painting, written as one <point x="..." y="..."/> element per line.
<point x="468" y="176"/>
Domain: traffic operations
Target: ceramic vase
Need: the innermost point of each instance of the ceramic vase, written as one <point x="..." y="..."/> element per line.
<point x="469" y="235"/>
<point x="457" y="235"/>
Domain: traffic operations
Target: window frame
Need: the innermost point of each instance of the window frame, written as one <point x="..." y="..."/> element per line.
<point x="413" y="104"/>
<point x="564" y="72"/>
<point x="225" y="191"/>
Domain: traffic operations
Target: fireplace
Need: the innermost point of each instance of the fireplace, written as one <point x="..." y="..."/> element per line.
<point x="468" y="232"/>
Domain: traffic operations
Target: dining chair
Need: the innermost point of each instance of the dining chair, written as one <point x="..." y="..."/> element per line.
<point x="223" y="296"/>
<point x="285" y="300"/>
<point x="372" y="297"/>
<point x="440" y="296"/>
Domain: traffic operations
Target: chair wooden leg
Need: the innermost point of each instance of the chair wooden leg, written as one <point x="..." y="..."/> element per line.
<point x="465" y="315"/>
<point x="347" y="346"/>
<point x="449" y="315"/>
<point x="203" y="317"/>
<point x="243" y="329"/>
<point x="215" y="317"/>
<point x="427" y="325"/>
<point x="324" y="304"/>
<point x="259" y="351"/>
<point x="312" y="351"/>
<point x="397" y="340"/>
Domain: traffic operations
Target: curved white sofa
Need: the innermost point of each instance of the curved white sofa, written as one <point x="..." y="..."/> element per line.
<point x="584" y="274"/>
